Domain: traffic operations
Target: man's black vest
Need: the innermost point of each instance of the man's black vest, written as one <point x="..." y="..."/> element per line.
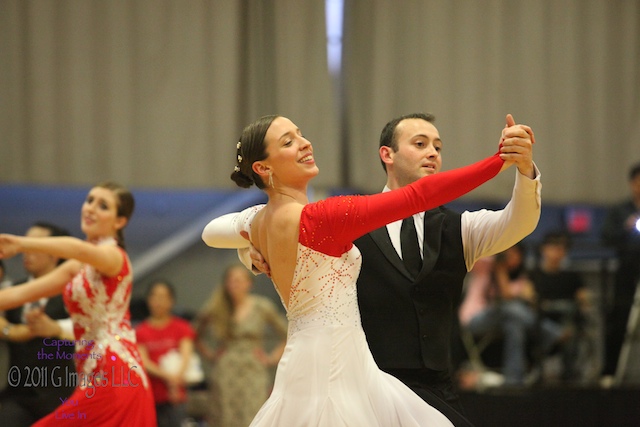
<point x="408" y="321"/>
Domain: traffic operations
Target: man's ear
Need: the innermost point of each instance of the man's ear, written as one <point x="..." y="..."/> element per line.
<point x="386" y="154"/>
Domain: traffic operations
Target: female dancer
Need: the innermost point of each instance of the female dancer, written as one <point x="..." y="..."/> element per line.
<point x="111" y="386"/>
<point x="327" y="376"/>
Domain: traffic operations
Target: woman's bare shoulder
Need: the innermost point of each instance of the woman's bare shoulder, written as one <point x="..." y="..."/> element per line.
<point x="286" y="215"/>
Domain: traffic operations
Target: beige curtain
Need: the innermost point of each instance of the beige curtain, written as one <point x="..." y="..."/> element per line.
<point x="568" y="68"/>
<point x="155" y="92"/>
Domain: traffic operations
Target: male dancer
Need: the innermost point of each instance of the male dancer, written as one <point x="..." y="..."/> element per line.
<point x="408" y="317"/>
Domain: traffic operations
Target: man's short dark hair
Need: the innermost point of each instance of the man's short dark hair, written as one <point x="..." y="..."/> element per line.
<point x="388" y="135"/>
<point x="557" y="238"/>
<point x="54" y="230"/>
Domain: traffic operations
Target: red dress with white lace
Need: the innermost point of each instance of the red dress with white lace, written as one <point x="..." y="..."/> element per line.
<point x="111" y="387"/>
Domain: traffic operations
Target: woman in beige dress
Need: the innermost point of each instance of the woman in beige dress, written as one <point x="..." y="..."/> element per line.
<point x="231" y="336"/>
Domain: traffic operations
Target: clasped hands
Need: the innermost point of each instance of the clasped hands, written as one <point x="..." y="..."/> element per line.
<point x="516" y="146"/>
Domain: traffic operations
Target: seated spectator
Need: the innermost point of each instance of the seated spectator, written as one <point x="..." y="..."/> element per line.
<point x="500" y="297"/>
<point x="562" y="297"/>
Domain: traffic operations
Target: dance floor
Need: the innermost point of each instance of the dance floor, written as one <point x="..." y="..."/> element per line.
<point x="554" y="406"/>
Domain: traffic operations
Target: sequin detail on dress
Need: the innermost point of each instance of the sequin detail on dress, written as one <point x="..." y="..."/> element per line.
<point x="323" y="291"/>
<point x="112" y="388"/>
<point x="100" y="316"/>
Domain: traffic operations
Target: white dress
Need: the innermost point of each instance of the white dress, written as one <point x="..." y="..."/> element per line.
<point x="327" y="375"/>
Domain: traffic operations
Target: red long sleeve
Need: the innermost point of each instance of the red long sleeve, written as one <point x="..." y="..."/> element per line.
<point x="330" y="226"/>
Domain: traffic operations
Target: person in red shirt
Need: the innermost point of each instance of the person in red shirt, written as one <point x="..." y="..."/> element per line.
<point x="165" y="342"/>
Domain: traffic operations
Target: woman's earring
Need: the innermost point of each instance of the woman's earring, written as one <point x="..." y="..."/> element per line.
<point x="271" y="179"/>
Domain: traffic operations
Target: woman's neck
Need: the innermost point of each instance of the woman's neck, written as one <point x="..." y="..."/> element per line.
<point x="239" y="300"/>
<point x="99" y="239"/>
<point x="286" y="195"/>
<point x="242" y="307"/>
<point x="160" y="320"/>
